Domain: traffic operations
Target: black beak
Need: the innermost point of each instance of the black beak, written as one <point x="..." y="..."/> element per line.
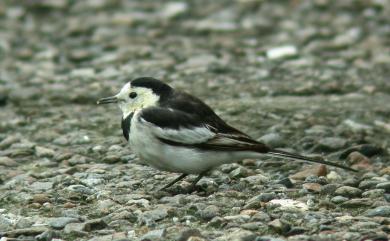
<point x="107" y="100"/>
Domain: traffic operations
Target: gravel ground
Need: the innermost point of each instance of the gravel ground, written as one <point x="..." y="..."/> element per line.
<point x="307" y="76"/>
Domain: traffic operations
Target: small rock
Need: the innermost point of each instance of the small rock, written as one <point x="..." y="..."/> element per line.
<point x="382" y="211"/>
<point x="331" y="144"/>
<point x="355" y="126"/>
<point x="357" y="203"/>
<point x="151" y="216"/>
<point x="240" y="172"/>
<point x="8" y="162"/>
<point x="94" y="224"/>
<point x="368" y="184"/>
<point x="43" y="152"/>
<point x="279" y="226"/>
<point x="316" y="170"/>
<point x="384" y="185"/>
<point x="80" y="189"/>
<point x="312" y="187"/>
<point x="339" y="199"/>
<point x="47" y="235"/>
<point x="347" y="191"/>
<point x="359" y="160"/>
<point x="41" y="186"/>
<point x="209" y="212"/>
<point x="328" y="189"/>
<point x="75" y="229"/>
<point x="61" y="222"/>
<point x="333" y="176"/>
<point x="190" y="234"/>
<point x="373" y="193"/>
<point x="174" y="9"/>
<point x="286" y="182"/>
<point x="268" y="238"/>
<point x="282" y="52"/>
<point x="157" y="235"/>
<point x="288" y="205"/>
<point x="41" y="198"/>
<point x="112" y="158"/>
<point x="367" y="150"/>
<point x="272" y="139"/>
<point x="238" y="235"/>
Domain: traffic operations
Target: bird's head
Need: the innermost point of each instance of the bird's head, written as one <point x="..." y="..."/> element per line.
<point x="138" y="94"/>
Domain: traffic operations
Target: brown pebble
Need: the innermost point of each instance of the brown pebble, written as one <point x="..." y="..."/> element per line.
<point x="313" y="187"/>
<point x="356" y="157"/>
<point x="316" y="170"/>
<point x="69" y="205"/>
<point x="41" y="198"/>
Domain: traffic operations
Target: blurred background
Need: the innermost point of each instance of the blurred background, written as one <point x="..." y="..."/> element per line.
<point x="311" y="76"/>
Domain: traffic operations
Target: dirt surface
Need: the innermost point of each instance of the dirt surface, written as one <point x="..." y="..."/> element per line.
<point x="306" y="76"/>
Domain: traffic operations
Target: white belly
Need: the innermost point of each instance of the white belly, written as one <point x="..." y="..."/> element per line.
<point x="175" y="158"/>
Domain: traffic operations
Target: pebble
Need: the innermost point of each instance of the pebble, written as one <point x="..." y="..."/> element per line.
<point x="272" y="139"/>
<point x="8" y="162"/>
<point x="191" y="235"/>
<point x="151" y="216"/>
<point x="357" y="203"/>
<point x="367" y="150"/>
<point x="349" y="192"/>
<point x="331" y="144"/>
<point x="313" y="170"/>
<point x="75" y="229"/>
<point x="312" y="187"/>
<point x="157" y="235"/>
<point x="93" y="224"/>
<point x="41" y="186"/>
<point x="384" y="185"/>
<point x="339" y="199"/>
<point x="279" y="226"/>
<point x="209" y="212"/>
<point x="44" y="152"/>
<point x="328" y="189"/>
<point x="382" y="211"/>
<point x="61" y="222"/>
<point x="237" y="235"/>
<point x="373" y="193"/>
<point x="282" y="52"/>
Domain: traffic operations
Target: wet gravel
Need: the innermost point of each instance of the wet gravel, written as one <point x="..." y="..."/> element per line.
<point x="307" y="76"/>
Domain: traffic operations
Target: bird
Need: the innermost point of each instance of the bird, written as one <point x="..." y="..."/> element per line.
<point x="174" y="131"/>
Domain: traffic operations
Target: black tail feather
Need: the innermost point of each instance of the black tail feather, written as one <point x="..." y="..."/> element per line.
<point x="279" y="153"/>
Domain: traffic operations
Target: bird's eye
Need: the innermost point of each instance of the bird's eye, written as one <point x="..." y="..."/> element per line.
<point x="132" y="95"/>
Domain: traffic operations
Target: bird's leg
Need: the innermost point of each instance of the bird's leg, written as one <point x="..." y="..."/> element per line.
<point x="193" y="184"/>
<point x="175" y="181"/>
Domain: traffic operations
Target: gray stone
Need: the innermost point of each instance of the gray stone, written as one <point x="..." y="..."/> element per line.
<point x="44" y="152"/>
<point x="382" y="211"/>
<point x="339" y="199"/>
<point x="41" y="186"/>
<point x="209" y="212"/>
<point x="151" y="216"/>
<point x="384" y="185"/>
<point x="374" y="193"/>
<point x="61" y="222"/>
<point x="348" y="191"/>
<point x="272" y="139"/>
<point x="94" y="224"/>
<point x="237" y="235"/>
<point x="332" y="143"/>
<point x="157" y="235"/>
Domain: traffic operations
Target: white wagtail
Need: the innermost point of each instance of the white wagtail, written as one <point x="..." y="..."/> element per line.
<point x="177" y="132"/>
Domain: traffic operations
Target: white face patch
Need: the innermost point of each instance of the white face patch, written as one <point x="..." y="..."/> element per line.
<point x="144" y="98"/>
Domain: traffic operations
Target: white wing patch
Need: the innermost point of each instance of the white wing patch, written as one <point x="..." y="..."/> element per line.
<point x="182" y="135"/>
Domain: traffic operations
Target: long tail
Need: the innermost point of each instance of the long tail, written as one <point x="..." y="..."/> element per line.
<point x="278" y="153"/>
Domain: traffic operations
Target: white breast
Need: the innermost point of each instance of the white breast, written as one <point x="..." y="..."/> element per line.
<point x="175" y="158"/>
